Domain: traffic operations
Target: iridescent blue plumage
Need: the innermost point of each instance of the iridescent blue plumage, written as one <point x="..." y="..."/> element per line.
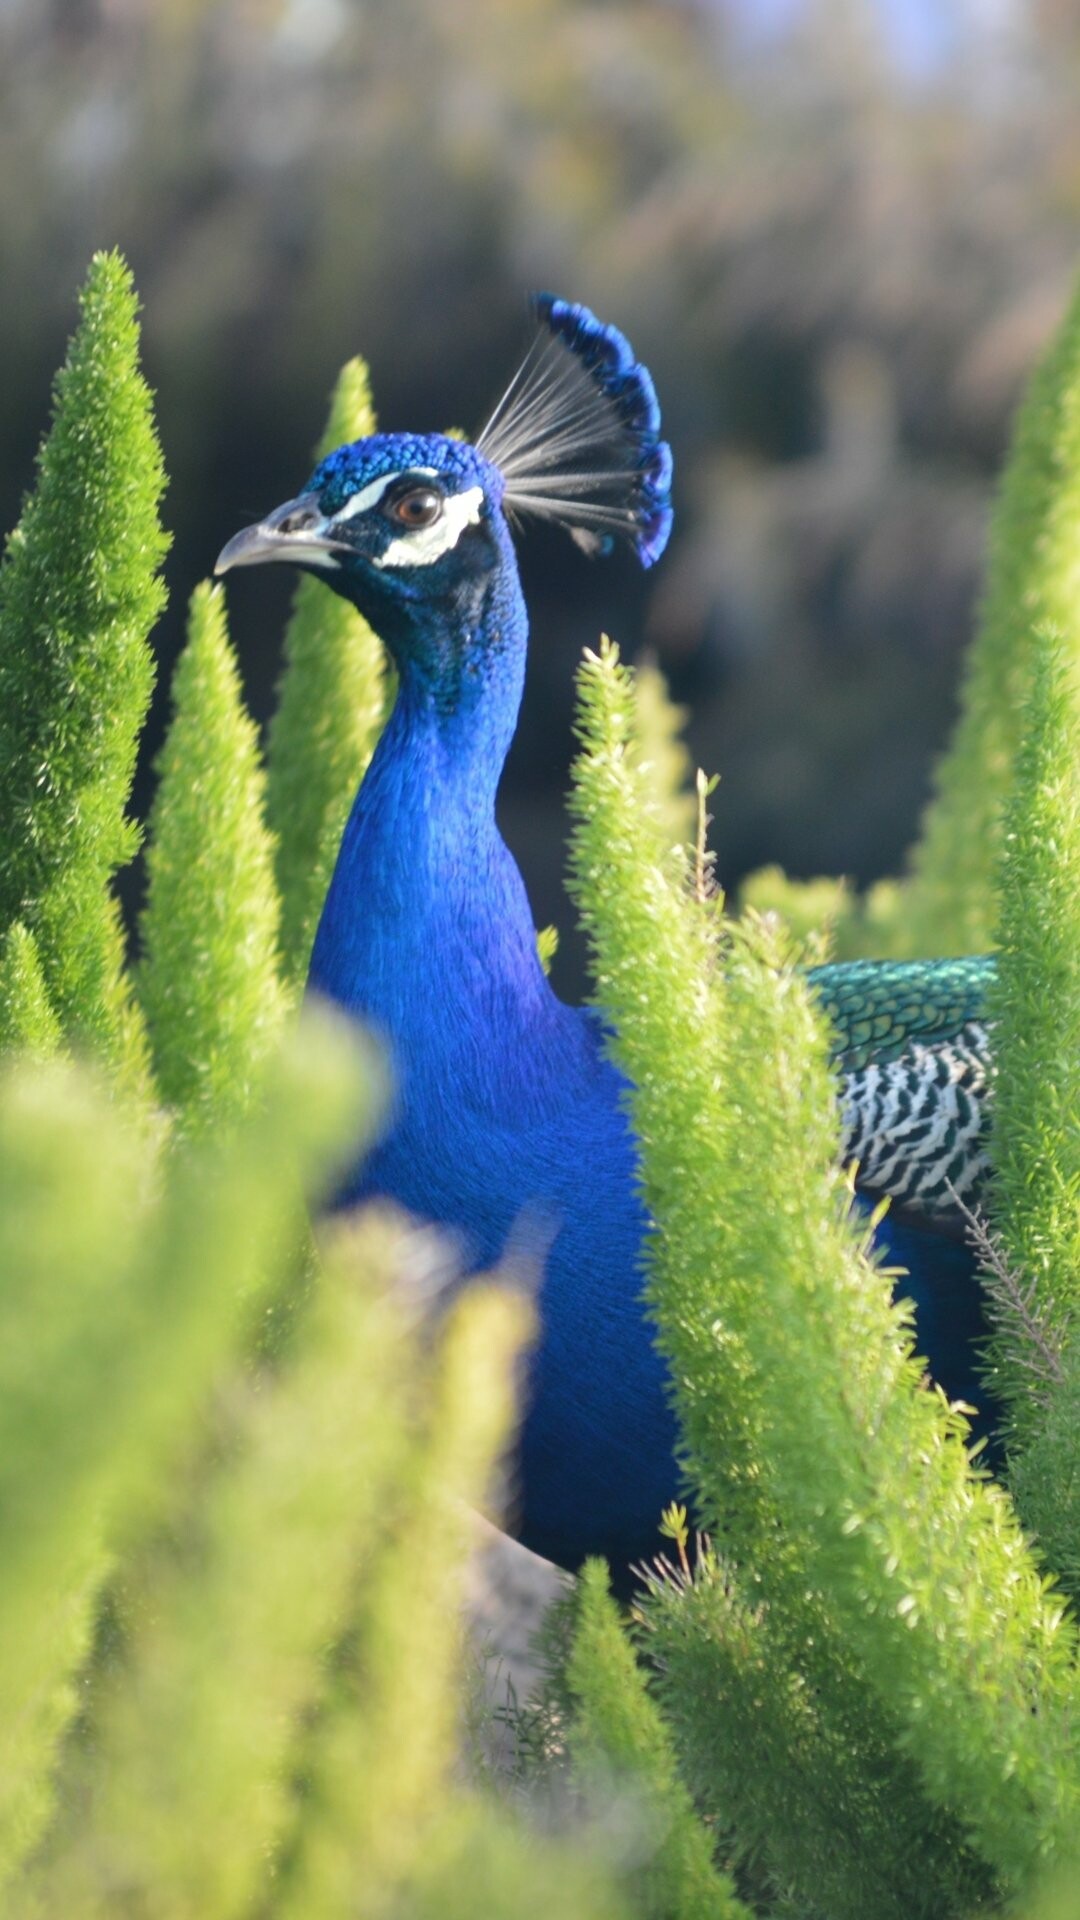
<point x="576" y="436"/>
<point x="509" y="1117"/>
<point x="628" y="385"/>
<point x="349" y="469"/>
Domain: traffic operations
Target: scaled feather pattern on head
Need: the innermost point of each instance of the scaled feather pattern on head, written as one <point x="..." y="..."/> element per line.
<point x="576" y="435"/>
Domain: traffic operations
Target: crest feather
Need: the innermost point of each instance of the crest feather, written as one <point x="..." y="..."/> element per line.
<point x="576" y="435"/>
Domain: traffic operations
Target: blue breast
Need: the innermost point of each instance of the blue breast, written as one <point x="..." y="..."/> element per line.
<point x="508" y="1126"/>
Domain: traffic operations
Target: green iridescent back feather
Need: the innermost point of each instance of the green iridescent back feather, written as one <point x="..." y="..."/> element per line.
<point x="879" y="1008"/>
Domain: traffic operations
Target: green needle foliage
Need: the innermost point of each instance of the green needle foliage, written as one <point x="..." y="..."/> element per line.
<point x="69" y="1211"/>
<point x="1034" y="1278"/>
<point x="332" y="702"/>
<point x="208" y="981"/>
<point x="846" y="1807"/>
<point x="1033" y="581"/>
<point x="547" y="945"/>
<point x="621" y="1746"/>
<point x="841" y="1485"/>
<point x="664" y="752"/>
<point x="270" y="1725"/>
<point x="1045" y="1474"/>
<point x="369" y="1800"/>
<point x="179" y="1794"/>
<point x="79" y="593"/>
<point x="1035" y="1008"/>
<point x="27" y="1021"/>
<point x="122" y="1298"/>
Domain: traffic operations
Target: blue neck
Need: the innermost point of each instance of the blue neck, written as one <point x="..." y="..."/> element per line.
<point x="426" y="932"/>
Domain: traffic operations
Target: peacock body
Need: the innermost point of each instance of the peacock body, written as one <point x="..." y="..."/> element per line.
<point x="510" y="1121"/>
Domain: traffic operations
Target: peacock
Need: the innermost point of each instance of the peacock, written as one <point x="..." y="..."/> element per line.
<point x="509" y="1117"/>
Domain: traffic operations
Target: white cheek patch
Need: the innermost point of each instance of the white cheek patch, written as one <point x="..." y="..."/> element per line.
<point x="370" y="495"/>
<point x="427" y="544"/>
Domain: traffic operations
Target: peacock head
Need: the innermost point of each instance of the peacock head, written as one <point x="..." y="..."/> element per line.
<point x="414" y="529"/>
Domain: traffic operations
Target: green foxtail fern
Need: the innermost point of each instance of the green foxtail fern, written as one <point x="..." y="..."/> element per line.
<point x="27" y="1021"/>
<point x="1034" y="1265"/>
<point x="331" y="705"/>
<point x="79" y="591"/>
<point x="664" y="753"/>
<point x="203" y="1776"/>
<point x="1033" y="580"/>
<point x="367" y="1809"/>
<point x="69" y="1217"/>
<point x="1035" y="1008"/>
<point x="208" y="981"/>
<point x="620" y="1745"/>
<point x="177" y="1792"/>
<point x="810" y="1436"/>
<point x="868" y="1838"/>
<point x="123" y="1294"/>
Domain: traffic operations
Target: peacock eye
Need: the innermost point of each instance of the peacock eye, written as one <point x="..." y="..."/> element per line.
<point x="420" y="507"/>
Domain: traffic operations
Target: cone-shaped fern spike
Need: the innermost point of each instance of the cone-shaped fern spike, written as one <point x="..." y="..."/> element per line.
<point x="1035" y="1003"/>
<point x="79" y="592"/>
<point x="125" y="1293"/>
<point x="332" y="702"/>
<point x="70" y="1212"/>
<point x="750" y="1695"/>
<point x="1033" y="580"/>
<point x="919" y="1569"/>
<point x="197" y="1739"/>
<point x="208" y="980"/>
<point x="662" y="748"/>
<point x="384" y="1750"/>
<point x="620" y="1746"/>
<point x="27" y="1021"/>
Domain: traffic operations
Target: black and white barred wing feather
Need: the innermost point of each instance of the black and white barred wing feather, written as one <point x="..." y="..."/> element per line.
<point x="912" y="1050"/>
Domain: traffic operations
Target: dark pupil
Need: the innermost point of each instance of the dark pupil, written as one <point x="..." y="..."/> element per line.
<point x="420" y="508"/>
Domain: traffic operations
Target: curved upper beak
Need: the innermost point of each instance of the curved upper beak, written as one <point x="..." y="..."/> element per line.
<point x="297" y="531"/>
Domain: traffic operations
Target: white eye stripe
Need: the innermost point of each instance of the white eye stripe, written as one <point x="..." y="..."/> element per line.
<point x="370" y="495"/>
<point x="427" y="544"/>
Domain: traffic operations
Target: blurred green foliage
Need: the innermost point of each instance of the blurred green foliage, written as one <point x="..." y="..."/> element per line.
<point x="1033" y="581"/>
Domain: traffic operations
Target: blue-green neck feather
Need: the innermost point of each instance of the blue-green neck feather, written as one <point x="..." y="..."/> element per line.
<point x="508" y="1117"/>
<point x="426" y="904"/>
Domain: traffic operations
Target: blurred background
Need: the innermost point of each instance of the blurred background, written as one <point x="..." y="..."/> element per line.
<point x="838" y="231"/>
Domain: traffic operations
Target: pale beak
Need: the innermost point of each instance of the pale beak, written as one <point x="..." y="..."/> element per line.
<point x="298" y="531"/>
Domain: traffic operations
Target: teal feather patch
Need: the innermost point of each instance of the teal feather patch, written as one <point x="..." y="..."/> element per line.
<point x="878" y="1008"/>
<point x="912" y="1048"/>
